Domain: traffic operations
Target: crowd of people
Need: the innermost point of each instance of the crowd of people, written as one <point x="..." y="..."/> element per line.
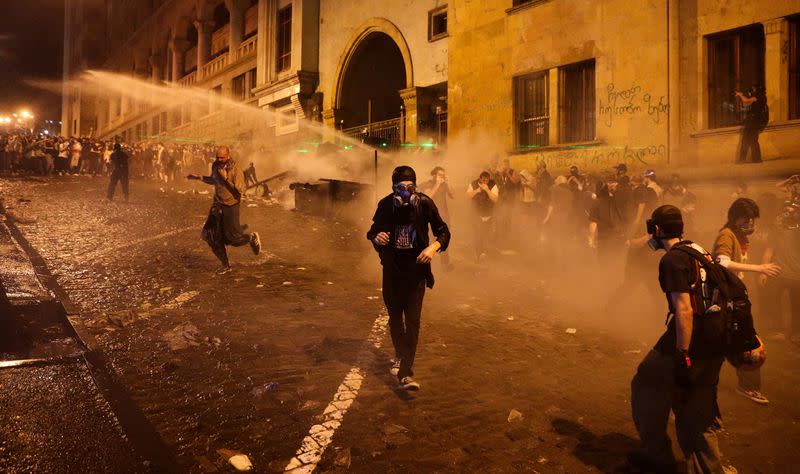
<point x="23" y="152"/>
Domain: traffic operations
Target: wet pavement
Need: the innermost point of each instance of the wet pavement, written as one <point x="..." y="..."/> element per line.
<point x="249" y="362"/>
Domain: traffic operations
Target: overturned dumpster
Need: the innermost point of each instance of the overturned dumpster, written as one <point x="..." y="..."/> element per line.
<point x="330" y="197"/>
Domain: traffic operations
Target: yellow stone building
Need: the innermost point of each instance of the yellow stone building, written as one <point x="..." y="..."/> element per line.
<point x="648" y="83"/>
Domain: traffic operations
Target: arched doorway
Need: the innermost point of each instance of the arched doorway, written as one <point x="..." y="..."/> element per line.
<point x="374" y="75"/>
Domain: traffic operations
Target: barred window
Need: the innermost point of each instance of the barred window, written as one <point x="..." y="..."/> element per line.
<point x="576" y="102"/>
<point x="735" y="62"/>
<point x="531" y="109"/>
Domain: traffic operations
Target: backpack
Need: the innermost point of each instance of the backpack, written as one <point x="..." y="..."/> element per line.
<point x="723" y="322"/>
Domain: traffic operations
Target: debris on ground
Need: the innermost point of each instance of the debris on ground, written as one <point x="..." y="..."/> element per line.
<point x="514" y="415"/>
<point x="252" y="205"/>
<point x="510" y="318"/>
<point x="287" y="283"/>
<point x="571" y="331"/>
<point x="181" y="299"/>
<point x="238" y="460"/>
<point x="342" y="458"/>
<point x="634" y="351"/>
<point x="122" y="318"/>
<point x="165" y="289"/>
<point x="269" y="387"/>
<point x="182" y="337"/>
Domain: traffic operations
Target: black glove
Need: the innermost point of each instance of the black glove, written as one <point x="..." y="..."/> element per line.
<point x="683" y="363"/>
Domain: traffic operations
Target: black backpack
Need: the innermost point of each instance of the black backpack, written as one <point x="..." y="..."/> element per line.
<point x="723" y="321"/>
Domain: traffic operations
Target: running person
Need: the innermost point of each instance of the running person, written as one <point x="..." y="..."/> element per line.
<point x="399" y="233"/>
<point x="222" y="226"/>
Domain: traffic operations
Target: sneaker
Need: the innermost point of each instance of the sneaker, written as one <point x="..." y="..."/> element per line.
<point x="753" y="395"/>
<point x="224" y="269"/>
<point x="255" y="243"/>
<point x="395" y="367"/>
<point x="408" y="384"/>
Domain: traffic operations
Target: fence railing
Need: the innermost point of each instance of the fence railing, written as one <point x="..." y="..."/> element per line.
<point x="387" y="131"/>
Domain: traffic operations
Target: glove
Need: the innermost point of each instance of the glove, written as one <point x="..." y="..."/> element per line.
<point x="683" y="363"/>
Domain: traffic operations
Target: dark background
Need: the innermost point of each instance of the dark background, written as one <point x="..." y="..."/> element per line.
<point x="31" y="48"/>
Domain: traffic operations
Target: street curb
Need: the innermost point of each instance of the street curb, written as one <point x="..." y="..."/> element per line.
<point x="137" y="430"/>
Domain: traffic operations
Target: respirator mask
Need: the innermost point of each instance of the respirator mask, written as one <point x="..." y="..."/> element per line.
<point x="653" y="243"/>
<point x="404" y="194"/>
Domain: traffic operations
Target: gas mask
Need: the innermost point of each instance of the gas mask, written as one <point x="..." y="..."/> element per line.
<point x="404" y="195"/>
<point x="654" y="243"/>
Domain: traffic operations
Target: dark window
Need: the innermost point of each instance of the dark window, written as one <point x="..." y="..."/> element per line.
<point x="253" y="77"/>
<point x="735" y="62"/>
<point x="238" y="91"/>
<point x="794" y="68"/>
<point x="531" y="110"/>
<point x="437" y="23"/>
<point x="221" y="16"/>
<point x="576" y="93"/>
<point x="284" y="57"/>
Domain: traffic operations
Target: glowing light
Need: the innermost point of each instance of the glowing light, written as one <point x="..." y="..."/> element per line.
<point x="26" y="114"/>
<point x="302" y="151"/>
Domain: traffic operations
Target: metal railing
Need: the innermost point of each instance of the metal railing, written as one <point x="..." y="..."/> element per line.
<point x="388" y="131"/>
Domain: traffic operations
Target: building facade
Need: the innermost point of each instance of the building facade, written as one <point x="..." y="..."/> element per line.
<point x="568" y="82"/>
<point x="646" y="83"/>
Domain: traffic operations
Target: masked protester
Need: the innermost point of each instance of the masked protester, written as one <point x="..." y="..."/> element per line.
<point x="399" y="234"/>
<point x="680" y="373"/>
<point x="730" y="251"/>
<point x="222" y="226"/>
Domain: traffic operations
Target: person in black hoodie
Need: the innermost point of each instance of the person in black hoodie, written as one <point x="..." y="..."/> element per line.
<point x="399" y="234"/>
<point x="119" y="172"/>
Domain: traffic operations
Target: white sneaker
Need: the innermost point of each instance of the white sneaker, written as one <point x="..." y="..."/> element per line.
<point x="753" y="395"/>
<point x="395" y="367"/>
<point x="408" y="384"/>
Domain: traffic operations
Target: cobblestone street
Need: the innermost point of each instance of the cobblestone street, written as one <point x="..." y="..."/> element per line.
<point x="250" y="361"/>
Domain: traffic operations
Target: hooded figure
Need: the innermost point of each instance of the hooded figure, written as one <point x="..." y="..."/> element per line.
<point x="399" y="234"/>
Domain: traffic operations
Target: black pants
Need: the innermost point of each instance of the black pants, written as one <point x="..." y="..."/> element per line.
<point x="750" y="141"/>
<point x="122" y="178"/>
<point x="403" y="298"/>
<point x="222" y="228"/>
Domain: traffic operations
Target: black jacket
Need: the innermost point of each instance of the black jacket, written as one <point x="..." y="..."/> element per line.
<point x="425" y="215"/>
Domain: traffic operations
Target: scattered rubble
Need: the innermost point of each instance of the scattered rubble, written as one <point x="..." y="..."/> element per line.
<point x="514" y="415"/>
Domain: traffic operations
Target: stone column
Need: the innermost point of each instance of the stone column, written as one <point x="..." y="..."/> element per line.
<point x="776" y="69"/>
<point x="330" y="117"/>
<point x="236" y="10"/>
<point x="265" y="47"/>
<point x="178" y="46"/>
<point x="204" y="30"/>
<point x="409" y="97"/>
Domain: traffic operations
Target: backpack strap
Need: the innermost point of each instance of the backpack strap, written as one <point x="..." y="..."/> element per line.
<point x="705" y="261"/>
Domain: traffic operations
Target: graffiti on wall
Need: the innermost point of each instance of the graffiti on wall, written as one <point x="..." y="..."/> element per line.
<point x="631" y="102"/>
<point x="599" y="158"/>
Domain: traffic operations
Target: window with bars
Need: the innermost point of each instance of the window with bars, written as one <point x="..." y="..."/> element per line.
<point x="735" y="63"/>
<point x="532" y="119"/>
<point x="284" y="56"/>
<point x="794" y="68"/>
<point x="576" y="102"/>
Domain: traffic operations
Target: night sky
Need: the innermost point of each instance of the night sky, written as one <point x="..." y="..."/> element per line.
<point x="31" y="47"/>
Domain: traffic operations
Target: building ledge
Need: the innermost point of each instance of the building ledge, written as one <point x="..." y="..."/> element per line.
<point x="787" y="124"/>
<point x="556" y="147"/>
<point x="525" y="6"/>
